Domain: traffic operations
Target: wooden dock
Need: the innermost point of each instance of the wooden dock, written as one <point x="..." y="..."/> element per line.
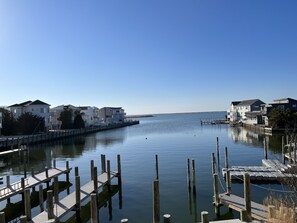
<point x="272" y="170"/>
<point x="64" y="206"/>
<point x="18" y="187"/>
<point x="258" y="211"/>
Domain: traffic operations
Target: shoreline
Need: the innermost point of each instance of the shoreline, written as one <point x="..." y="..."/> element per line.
<point x="12" y="142"/>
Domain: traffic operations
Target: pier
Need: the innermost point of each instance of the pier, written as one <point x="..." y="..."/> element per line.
<point x="213" y="122"/>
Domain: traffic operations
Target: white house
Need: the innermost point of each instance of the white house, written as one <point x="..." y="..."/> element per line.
<point x="112" y="115"/>
<point x="247" y="111"/>
<point x="55" y="113"/>
<point x="38" y="108"/>
<point x="90" y="116"/>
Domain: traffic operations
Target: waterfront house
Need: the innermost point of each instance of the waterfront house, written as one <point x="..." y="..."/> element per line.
<point x="247" y="111"/>
<point x="55" y="113"/>
<point x="112" y="115"/>
<point x="37" y="107"/>
<point x="283" y="104"/>
<point x="90" y="115"/>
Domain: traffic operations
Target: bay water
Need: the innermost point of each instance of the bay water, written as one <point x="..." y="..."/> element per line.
<point x="174" y="138"/>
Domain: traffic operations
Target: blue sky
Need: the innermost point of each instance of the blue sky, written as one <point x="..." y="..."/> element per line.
<point x="148" y="56"/>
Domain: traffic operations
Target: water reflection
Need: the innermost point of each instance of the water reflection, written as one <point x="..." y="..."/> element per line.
<point x="245" y="136"/>
<point x="111" y="137"/>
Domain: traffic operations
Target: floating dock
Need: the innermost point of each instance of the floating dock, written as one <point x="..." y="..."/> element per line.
<point x="272" y="170"/>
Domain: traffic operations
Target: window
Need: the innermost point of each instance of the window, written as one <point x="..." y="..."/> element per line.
<point x="294" y="106"/>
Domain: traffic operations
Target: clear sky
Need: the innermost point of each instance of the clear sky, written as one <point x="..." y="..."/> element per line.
<point x="148" y="56"/>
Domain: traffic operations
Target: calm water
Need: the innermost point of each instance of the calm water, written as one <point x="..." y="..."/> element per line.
<point x="174" y="137"/>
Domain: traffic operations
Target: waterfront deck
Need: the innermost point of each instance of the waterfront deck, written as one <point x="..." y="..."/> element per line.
<point x="68" y="203"/>
<point x="32" y="181"/>
<point x="272" y="170"/>
<point x="258" y="211"/>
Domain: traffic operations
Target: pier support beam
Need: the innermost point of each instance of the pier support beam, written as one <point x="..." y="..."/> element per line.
<point x="50" y="205"/>
<point x="94" y="209"/>
<point x="41" y="205"/>
<point x="28" y="204"/>
<point x="108" y="176"/>
<point x="204" y="217"/>
<point x="216" y="194"/>
<point x="157" y="168"/>
<point x="2" y="217"/>
<point x="226" y="158"/>
<point x="156" y="197"/>
<point x="103" y="163"/>
<point x="167" y="218"/>
<point x="77" y="198"/>
<point x="119" y="170"/>
<point x="92" y="169"/>
<point x="247" y="196"/>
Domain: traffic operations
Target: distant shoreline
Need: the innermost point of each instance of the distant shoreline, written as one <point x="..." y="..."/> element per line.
<point x="139" y="116"/>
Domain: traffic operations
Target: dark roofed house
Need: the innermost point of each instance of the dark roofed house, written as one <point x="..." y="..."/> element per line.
<point x="36" y="107"/>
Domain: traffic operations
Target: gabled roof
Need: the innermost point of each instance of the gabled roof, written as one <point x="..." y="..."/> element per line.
<point x="38" y="102"/>
<point x="26" y="103"/>
<point x="249" y="102"/>
<point x="284" y="100"/>
<point x="235" y="102"/>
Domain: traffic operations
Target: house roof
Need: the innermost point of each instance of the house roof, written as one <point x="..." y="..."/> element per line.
<point x="235" y="102"/>
<point x="249" y="102"/>
<point x="283" y="100"/>
<point x="26" y="103"/>
<point x="38" y="102"/>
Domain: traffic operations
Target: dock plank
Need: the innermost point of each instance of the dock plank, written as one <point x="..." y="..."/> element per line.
<point x="32" y="181"/>
<point x="67" y="204"/>
<point x="259" y="211"/>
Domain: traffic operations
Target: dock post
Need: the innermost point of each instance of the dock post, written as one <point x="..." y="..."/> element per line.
<point x="92" y="169"/>
<point x="193" y="177"/>
<point x="54" y="163"/>
<point x="247" y="195"/>
<point x="283" y="150"/>
<point x="213" y="163"/>
<point x="228" y="181"/>
<point x="23" y="219"/>
<point x="56" y="189"/>
<point x="103" y="163"/>
<point x="46" y="172"/>
<point x="32" y="172"/>
<point x="7" y="181"/>
<point x="216" y="193"/>
<point x="156" y="201"/>
<point x="108" y="176"/>
<point x="167" y="218"/>
<point x="218" y="150"/>
<point x="157" y="168"/>
<point x="94" y="209"/>
<point x="294" y="153"/>
<point x="265" y="148"/>
<point x="95" y="180"/>
<point x="77" y="197"/>
<point x="67" y="173"/>
<point x="41" y="198"/>
<point x="125" y="220"/>
<point x="189" y="174"/>
<point x="290" y="152"/>
<point x="226" y="158"/>
<point x="244" y="216"/>
<point x="2" y="217"/>
<point x="119" y="170"/>
<point x="76" y="171"/>
<point x="28" y="204"/>
<point x="50" y="205"/>
<point x="23" y="188"/>
<point x="204" y="217"/>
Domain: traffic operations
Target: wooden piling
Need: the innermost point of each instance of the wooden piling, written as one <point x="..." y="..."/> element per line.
<point x="76" y="171"/>
<point x="247" y="195"/>
<point x="189" y="174"/>
<point x="156" y="207"/>
<point x="157" y="168"/>
<point x="67" y="173"/>
<point x="54" y="163"/>
<point x="244" y="216"/>
<point x="167" y="218"/>
<point x="32" y="172"/>
<point x="7" y="181"/>
<point x="50" y="205"/>
<point x="92" y="169"/>
<point x="95" y="180"/>
<point x="204" y="217"/>
<point x="228" y="181"/>
<point x="125" y="220"/>
<point x="216" y="193"/>
<point x="2" y="217"/>
<point x="56" y="189"/>
<point x="119" y="170"/>
<point x="283" y="150"/>
<point x="271" y="212"/>
<point x="28" y="204"/>
<point x="218" y="149"/>
<point x="94" y="209"/>
<point x="213" y="163"/>
<point x="108" y="176"/>
<point x="103" y="163"/>
<point x="226" y="158"/>
<point x="193" y="177"/>
<point x="265" y="148"/>
<point x="77" y="197"/>
<point x="46" y="172"/>
<point x="41" y="205"/>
